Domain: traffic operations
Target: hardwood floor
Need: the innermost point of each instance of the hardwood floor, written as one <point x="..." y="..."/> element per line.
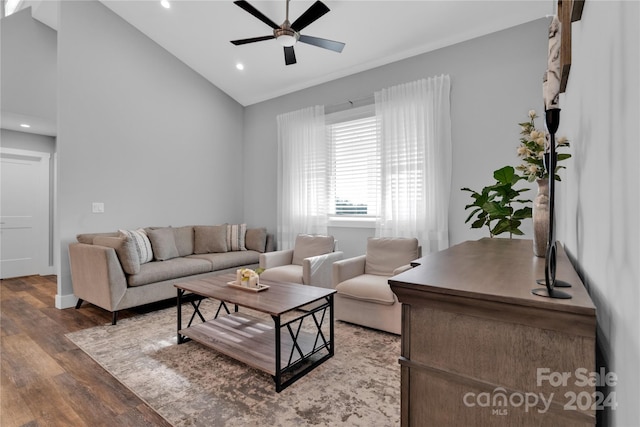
<point x="45" y="380"/>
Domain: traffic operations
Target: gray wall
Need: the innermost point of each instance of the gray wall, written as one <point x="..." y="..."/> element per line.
<point x="139" y="131"/>
<point x="495" y="81"/>
<point x="29" y="70"/>
<point x="599" y="199"/>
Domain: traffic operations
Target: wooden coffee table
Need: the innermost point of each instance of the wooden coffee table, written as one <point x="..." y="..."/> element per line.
<point x="282" y="348"/>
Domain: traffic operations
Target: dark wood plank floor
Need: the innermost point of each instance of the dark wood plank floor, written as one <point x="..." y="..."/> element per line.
<point x="45" y="380"/>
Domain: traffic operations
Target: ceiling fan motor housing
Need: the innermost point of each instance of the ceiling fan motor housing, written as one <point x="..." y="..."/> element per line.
<point x="286" y="36"/>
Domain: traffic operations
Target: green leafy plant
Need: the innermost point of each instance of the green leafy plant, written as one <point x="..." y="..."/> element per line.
<point x="492" y="207"/>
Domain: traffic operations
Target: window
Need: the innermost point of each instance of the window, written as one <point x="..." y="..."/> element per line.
<point x="386" y="166"/>
<point x="355" y="163"/>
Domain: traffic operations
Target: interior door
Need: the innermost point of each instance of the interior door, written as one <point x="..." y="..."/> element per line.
<point x="24" y="212"/>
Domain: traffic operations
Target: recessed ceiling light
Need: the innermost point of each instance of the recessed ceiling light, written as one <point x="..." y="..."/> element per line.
<point x="24" y="125"/>
<point x="240" y="66"/>
<point x="165" y="4"/>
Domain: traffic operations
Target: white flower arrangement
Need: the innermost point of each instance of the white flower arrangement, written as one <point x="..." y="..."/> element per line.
<point x="533" y="145"/>
<point x="247" y="277"/>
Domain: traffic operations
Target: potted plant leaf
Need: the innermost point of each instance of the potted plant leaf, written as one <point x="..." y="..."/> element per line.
<point x="493" y="208"/>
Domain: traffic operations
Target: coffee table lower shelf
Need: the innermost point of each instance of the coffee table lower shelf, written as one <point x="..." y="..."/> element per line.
<point x="252" y="341"/>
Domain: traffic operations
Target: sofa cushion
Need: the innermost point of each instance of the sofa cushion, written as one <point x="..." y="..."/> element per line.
<point x="175" y="268"/>
<point x="284" y="273"/>
<point x="385" y="254"/>
<point x="142" y="243"/>
<point x="368" y="287"/>
<point x="221" y="261"/>
<point x="163" y="243"/>
<point x="125" y="250"/>
<point x="235" y="237"/>
<point x="255" y="239"/>
<point x="184" y="239"/>
<point x="308" y="245"/>
<point x="210" y="239"/>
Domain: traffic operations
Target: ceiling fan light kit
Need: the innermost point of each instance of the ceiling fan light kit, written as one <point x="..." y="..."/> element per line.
<point x="288" y="34"/>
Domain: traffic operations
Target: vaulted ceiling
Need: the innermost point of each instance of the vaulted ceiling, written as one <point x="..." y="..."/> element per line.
<point x="375" y="33"/>
<point x="198" y="32"/>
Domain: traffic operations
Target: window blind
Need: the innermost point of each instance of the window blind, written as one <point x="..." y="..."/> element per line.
<point x="355" y="155"/>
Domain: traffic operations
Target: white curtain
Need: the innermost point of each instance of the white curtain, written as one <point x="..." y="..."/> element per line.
<point x="415" y="137"/>
<point x="302" y="175"/>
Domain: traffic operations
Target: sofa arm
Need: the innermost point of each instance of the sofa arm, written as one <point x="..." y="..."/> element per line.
<point x="276" y="258"/>
<point x="348" y="269"/>
<point x="317" y="270"/>
<point x="96" y="275"/>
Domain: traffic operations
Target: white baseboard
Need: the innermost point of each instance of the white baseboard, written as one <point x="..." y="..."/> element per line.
<point x="66" y="301"/>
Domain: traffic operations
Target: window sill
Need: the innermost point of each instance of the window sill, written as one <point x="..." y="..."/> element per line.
<point x="352" y="222"/>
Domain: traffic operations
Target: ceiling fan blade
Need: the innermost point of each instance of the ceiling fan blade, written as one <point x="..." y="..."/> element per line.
<point x="289" y="55"/>
<point x="251" y="40"/>
<point x="255" y="12"/>
<point x="323" y="43"/>
<point x="310" y="15"/>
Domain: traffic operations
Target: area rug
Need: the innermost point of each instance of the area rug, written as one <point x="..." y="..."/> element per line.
<point x="192" y="385"/>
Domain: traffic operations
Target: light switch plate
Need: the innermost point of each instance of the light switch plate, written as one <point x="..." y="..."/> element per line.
<point x="97" y="207"/>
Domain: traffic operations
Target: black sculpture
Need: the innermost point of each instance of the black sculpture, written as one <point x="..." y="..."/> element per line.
<point x="553" y="121"/>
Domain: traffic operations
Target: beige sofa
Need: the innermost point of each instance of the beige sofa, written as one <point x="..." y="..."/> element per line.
<point x="129" y="268"/>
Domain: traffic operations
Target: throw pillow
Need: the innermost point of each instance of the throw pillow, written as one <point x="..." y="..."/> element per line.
<point x="142" y="244"/>
<point x="210" y="239"/>
<point x="125" y="250"/>
<point x="256" y="239"/>
<point x="235" y="237"/>
<point x="308" y="245"/>
<point x="163" y="243"/>
<point x="184" y="239"/>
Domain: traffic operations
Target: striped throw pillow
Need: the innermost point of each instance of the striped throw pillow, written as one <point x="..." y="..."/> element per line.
<point x="235" y="237"/>
<point x="141" y="242"/>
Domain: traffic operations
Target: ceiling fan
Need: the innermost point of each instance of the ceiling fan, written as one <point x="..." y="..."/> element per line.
<point x="288" y="34"/>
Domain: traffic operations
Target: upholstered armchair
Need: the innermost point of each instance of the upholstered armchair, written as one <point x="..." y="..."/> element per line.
<point x="363" y="295"/>
<point x="308" y="263"/>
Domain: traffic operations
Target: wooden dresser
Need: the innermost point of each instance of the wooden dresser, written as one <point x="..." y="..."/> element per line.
<point x="478" y="349"/>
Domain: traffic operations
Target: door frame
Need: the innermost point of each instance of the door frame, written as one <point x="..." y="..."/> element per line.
<point x="45" y="252"/>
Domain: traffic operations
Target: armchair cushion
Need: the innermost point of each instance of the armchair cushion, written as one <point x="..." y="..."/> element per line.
<point x="311" y="245"/>
<point x="285" y="273"/>
<point x="385" y="254"/>
<point x="368" y="287"/>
